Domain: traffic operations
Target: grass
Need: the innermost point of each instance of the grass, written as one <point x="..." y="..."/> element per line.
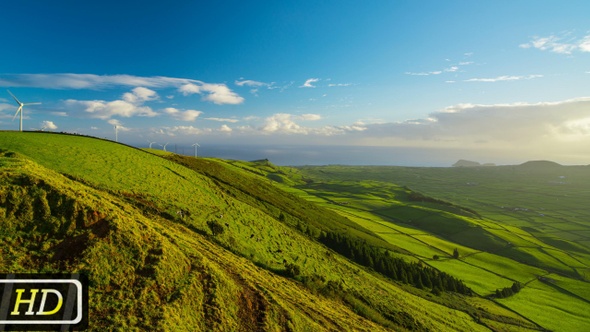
<point x="481" y="281"/>
<point x="506" y="267"/>
<point x="549" y="308"/>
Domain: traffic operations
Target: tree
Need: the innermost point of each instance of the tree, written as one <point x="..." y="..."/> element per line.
<point x="215" y="227"/>
<point x="516" y="286"/>
<point x="292" y="270"/>
<point x="456" y="253"/>
<point x="436" y="291"/>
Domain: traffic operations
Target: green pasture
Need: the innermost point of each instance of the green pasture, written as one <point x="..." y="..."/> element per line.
<point x="550" y="308"/>
<point x="578" y="287"/>
<point x="446" y="246"/>
<point x="508" y="268"/>
<point x="481" y="281"/>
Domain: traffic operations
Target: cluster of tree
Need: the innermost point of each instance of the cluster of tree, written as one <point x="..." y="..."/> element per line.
<point x="508" y="291"/>
<point x="395" y="268"/>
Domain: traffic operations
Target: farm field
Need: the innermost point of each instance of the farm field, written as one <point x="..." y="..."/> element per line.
<point x="509" y="224"/>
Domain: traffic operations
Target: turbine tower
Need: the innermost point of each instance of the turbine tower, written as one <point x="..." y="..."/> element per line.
<point x="20" y="109"/>
<point x="116" y="133"/>
<point x="195" y="145"/>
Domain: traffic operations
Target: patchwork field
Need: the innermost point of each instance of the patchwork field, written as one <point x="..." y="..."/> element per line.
<point x="509" y="224"/>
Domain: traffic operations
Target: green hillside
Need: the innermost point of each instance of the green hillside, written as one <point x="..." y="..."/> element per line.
<point x="178" y="243"/>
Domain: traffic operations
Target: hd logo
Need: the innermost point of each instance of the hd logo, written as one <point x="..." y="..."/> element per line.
<point x="33" y="302"/>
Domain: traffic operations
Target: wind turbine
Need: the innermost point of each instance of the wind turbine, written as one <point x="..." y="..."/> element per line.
<point x="150" y="143"/>
<point x="20" y="109"/>
<point x="195" y="145"/>
<point x="164" y="146"/>
<point x="116" y="133"/>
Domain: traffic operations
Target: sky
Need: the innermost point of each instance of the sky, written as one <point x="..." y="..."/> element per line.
<point x="421" y="83"/>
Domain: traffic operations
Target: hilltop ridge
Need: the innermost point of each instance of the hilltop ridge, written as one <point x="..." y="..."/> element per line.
<point x="540" y="164"/>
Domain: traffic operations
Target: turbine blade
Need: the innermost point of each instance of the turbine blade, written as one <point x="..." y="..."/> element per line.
<point x="15" y="99"/>
<point x="18" y="110"/>
<point x="32" y="104"/>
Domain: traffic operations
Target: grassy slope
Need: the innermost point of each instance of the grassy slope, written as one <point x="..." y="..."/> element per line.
<point x="493" y="237"/>
<point x="145" y="273"/>
<point x="137" y="224"/>
<point x="267" y="193"/>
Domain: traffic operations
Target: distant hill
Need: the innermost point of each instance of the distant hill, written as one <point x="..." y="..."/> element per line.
<point x="540" y="164"/>
<point x="466" y="163"/>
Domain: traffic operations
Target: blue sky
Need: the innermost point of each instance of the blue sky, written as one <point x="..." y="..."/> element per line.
<point x="497" y="81"/>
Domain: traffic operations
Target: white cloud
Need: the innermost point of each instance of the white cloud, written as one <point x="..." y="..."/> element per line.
<point x="140" y="95"/>
<point x="188" y="115"/>
<point x="216" y="93"/>
<point x="130" y="105"/>
<point x="284" y="123"/>
<point x="105" y="110"/>
<point x="120" y="127"/>
<point x="256" y="85"/>
<point x="221" y="94"/>
<point x="189" y="89"/>
<point x="225" y="129"/>
<point x="559" y="44"/>
<point x="310" y="117"/>
<point x="452" y="69"/>
<point x="309" y="83"/>
<point x="251" y="83"/>
<point x="281" y="122"/>
<point x="59" y="113"/>
<point x="584" y="44"/>
<point x="182" y="130"/>
<point x="339" y="84"/>
<point x="438" y="72"/>
<point x="503" y="78"/>
<point x="89" y="81"/>
<point x="222" y="120"/>
<point x="48" y="125"/>
<point x="7" y="107"/>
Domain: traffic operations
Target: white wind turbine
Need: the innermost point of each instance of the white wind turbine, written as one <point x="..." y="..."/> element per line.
<point x="20" y="109"/>
<point x="163" y="146"/>
<point x="150" y="143"/>
<point x="116" y="133"/>
<point x="196" y="145"/>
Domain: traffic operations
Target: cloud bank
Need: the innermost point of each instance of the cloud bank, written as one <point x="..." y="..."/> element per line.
<point x="559" y="44"/>
<point x="547" y="126"/>
<point x="212" y="92"/>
